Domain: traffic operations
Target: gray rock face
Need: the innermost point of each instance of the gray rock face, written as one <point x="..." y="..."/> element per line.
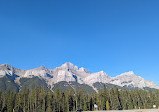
<point x="6" y="69"/>
<point x="68" y="72"/>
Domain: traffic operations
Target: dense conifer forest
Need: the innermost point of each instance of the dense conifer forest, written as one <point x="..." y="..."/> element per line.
<point x="40" y="100"/>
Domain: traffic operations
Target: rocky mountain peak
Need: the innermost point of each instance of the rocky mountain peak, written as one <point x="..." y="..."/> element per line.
<point x="130" y="73"/>
<point x="69" y="65"/>
<point x="83" y="70"/>
<point x="69" y="72"/>
<point x="41" y="68"/>
<point x="6" y="66"/>
<point x="102" y="72"/>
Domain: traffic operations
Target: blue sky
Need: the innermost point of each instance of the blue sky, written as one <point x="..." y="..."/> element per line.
<point x="111" y="35"/>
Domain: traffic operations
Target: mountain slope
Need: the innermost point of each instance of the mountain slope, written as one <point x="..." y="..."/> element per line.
<point x="131" y="80"/>
<point x="31" y="83"/>
<point x="63" y="85"/>
<point x="7" y="84"/>
<point x="63" y="75"/>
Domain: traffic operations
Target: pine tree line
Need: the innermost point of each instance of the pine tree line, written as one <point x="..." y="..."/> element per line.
<point x="39" y="100"/>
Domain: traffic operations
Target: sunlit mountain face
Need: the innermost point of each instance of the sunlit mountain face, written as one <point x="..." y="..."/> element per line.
<point x="67" y="76"/>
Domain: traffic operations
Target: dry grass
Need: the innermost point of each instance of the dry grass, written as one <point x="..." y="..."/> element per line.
<point x="142" y="110"/>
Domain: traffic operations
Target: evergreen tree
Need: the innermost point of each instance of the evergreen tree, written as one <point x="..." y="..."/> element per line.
<point x="70" y="100"/>
<point x="48" y="103"/>
<point x="10" y="102"/>
<point x="40" y="100"/>
<point x="107" y="105"/>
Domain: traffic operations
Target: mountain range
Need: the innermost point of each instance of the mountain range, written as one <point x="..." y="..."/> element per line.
<point x="67" y="76"/>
